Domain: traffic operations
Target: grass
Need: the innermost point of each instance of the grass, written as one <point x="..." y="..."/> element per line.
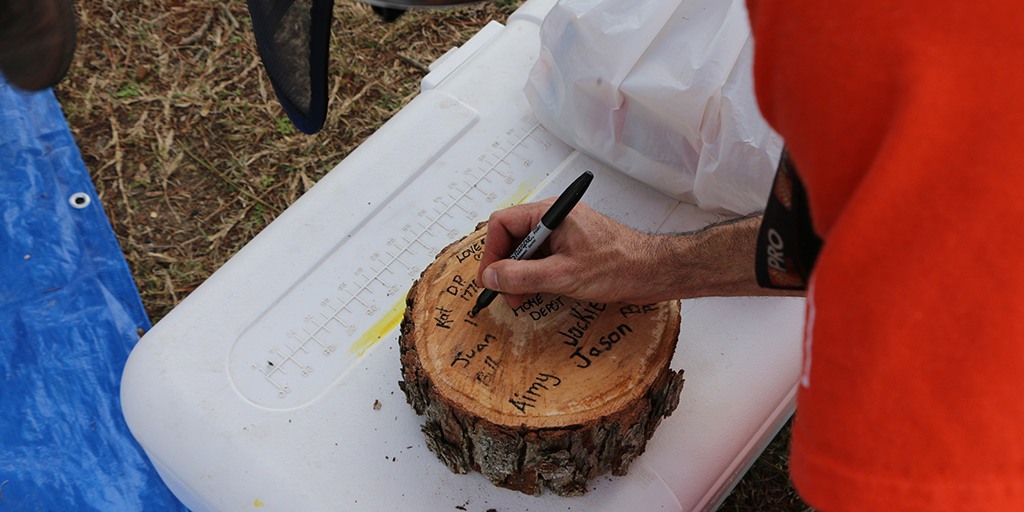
<point x="192" y="156"/>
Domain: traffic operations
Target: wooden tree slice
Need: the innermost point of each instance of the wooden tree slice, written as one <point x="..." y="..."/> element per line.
<point x="544" y="396"/>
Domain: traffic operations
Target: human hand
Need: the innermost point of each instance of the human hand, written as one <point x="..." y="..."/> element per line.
<point x="589" y="257"/>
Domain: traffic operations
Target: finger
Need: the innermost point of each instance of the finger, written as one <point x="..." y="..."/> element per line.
<point x="514" y="300"/>
<point x="548" y="275"/>
<point x="506" y="228"/>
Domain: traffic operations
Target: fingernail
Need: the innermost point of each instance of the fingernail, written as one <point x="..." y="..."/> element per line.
<point x="490" y="278"/>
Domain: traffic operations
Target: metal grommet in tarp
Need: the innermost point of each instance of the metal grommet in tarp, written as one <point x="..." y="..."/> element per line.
<point x="79" y="200"/>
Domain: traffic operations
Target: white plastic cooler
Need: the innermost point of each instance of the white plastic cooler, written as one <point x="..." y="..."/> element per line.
<point x="274" y="386"/>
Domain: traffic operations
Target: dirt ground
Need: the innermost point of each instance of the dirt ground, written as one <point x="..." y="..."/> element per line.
<point x="192" y="155"/>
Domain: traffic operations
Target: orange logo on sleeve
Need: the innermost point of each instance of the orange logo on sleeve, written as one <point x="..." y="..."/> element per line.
<point x="784" y="189"/>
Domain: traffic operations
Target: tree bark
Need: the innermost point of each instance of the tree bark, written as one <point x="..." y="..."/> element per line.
<point x="545" y="396"/>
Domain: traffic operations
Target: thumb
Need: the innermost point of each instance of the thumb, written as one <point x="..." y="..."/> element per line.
<point x="491" y="280"/>
<point x="520" y="277"/>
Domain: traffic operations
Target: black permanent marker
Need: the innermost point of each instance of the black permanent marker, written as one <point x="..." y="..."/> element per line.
<point x="551" y="219"/>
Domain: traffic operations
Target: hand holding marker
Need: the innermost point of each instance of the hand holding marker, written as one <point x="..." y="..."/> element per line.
<point x="551" y="219"/>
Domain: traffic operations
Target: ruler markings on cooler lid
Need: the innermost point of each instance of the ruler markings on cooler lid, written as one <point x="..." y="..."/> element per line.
<point x="302" y="352"/>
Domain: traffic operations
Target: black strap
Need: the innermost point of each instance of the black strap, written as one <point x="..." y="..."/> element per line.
<point x="787" y="245"/>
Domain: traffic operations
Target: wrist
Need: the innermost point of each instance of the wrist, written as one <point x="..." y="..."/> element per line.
<point x="715" y="261"/>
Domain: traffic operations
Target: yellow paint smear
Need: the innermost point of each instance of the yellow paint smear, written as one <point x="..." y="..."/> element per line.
<point x="374" y="334"/>
<point x="518" y="196"/>
<point x="257" y="503"/>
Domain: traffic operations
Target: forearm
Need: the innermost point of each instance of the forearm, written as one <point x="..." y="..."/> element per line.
<point x="714" y="261"/>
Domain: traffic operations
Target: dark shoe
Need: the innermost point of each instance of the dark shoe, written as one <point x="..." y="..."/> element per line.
<point x="386" y="13"/>
<point x="37" y="41"/>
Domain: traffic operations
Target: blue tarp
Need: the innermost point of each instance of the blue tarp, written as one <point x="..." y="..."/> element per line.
<point x="69" y="315"/>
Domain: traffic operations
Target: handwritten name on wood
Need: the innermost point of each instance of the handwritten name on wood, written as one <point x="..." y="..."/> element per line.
<point x="580" y="319"/>
<point x="465" y="289"/>
<point x="606" y="342"/>
<point x="465" y="357"/>
<point x="529" y="397"/>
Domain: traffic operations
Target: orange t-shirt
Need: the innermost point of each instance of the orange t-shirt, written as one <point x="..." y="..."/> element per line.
<point x="905" y="120"/>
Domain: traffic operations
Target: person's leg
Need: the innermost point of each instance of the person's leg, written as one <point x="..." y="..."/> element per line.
<point x="37" y="41"/>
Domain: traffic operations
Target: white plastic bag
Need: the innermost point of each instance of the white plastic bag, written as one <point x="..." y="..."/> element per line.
<point x="661" y="90"/>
